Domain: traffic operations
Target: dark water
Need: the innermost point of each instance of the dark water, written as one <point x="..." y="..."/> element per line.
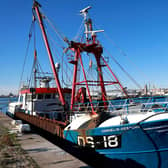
<point x="4" y="103"/>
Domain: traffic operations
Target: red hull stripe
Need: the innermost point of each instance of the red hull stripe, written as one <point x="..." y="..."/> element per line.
<point x="44" y="90"/>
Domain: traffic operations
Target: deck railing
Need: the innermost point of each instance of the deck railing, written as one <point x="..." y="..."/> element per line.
<point x="125" y="106"/>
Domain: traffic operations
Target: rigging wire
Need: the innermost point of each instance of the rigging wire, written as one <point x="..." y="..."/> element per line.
<point x="59" y="34"/>
<point x="124" y="54"/>
<point x="59" y="58"/>
<point x="112" y="76"/>
<point x="50" y="36"/>
<point x="30" y="83"/>
<point x="40" y="71"/>
<point x="79" y="32"/>
<point x="128" y="75"/>
<point x="32" y="28"/>
<point x="63" y="38"/>
<point x="26" y="54"/>
<point x="89" y="73"/>
<point x="107" y="74"/>
<point x="63" y="81"/>
<point x="40" y="68"/>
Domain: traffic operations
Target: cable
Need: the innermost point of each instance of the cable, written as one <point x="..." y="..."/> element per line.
<point x="79" y="31"/>
<point x="128" y="75"/>
<point x="59" y="58"/>
<point x="26" y="54"/>
<point x="60" y="35"/>
<point x="124" y="54"/>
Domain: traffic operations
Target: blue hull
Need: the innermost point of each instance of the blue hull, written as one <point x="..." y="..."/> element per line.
<point x="145" y="143"/>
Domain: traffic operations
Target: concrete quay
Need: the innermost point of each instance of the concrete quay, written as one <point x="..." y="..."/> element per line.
<point x="38" y="151"/>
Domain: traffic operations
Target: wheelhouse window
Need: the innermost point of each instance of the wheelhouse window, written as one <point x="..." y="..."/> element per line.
<point x="48" y="96"/>
<point x="21" y="98"/>
<point x="53" y="96"/>
<point x="40" y="96"/>
<point x="29" y="97"/>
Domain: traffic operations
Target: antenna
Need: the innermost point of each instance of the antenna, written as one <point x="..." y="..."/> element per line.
<point x="85" y="11"/>
<point x="93" y="32"/>
<point x="88" y="25"/>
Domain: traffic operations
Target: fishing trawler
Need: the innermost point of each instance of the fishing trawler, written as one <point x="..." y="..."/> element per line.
<point x="133" y="130"/>
<point x="40" y="101"/>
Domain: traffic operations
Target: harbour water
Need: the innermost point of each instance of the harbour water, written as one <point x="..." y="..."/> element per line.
<point x="4" y="103"/>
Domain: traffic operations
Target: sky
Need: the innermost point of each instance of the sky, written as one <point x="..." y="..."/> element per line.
<point x="137" y="28"/>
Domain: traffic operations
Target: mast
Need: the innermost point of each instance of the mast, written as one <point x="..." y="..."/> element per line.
<point x="36" y="6"/>
<point x="89" y="32"/>
<point x="94" y="47"/>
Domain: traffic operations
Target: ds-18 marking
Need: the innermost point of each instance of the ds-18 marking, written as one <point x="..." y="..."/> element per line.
<point x="100" y="142"/>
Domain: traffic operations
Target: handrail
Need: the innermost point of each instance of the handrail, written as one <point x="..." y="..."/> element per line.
<point x="125" y="107"/>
